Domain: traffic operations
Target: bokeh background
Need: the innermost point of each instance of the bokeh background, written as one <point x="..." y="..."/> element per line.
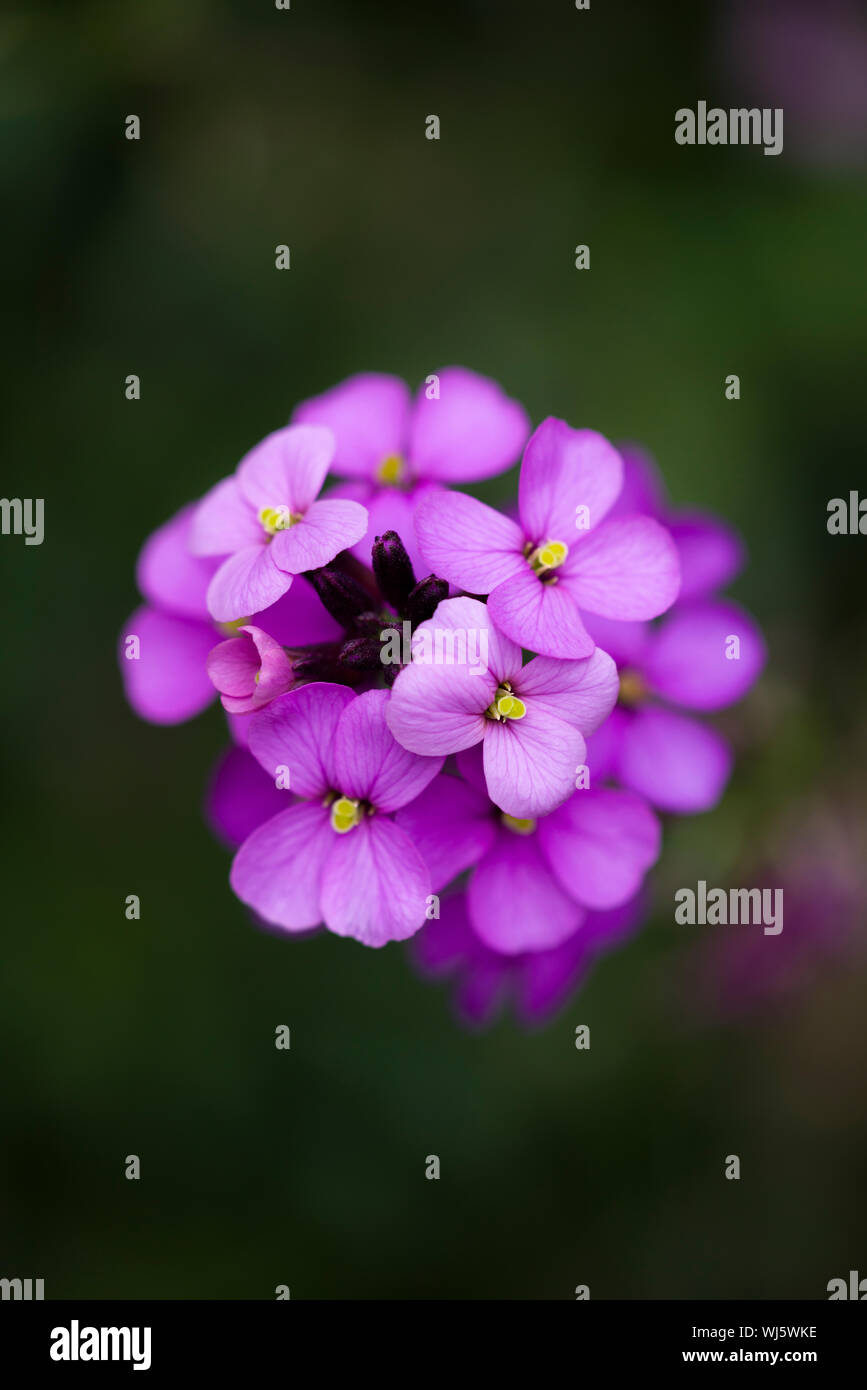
<point x="306" y="127"/>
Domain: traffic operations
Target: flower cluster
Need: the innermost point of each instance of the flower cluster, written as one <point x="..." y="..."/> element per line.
<point x="448" y="721"/>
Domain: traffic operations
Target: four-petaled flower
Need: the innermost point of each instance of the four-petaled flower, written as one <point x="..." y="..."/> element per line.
<point x="336" y="856"/>
<point x="266" y="521"/>
<point x="529" y="718"/>
<point x="562" y="556"/>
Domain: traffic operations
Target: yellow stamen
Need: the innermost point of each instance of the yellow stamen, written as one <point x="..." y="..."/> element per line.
<point x="345" y="814"/>
<point x="276" y="519"/>
<point x="505" y="704"/>
<point x="633" y="690"/>
<point x="510" y="707"/>
<point x="391" y="470"/>
<point x="518" y="825"/>
<point x="547" y="557"/>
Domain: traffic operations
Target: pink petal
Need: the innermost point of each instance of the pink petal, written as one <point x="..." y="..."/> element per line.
<point x="547" y="978"/>
<point x="250" y="670"/>
<point x="470" y="763"/>
<point x="461" y="633"/>
<point x="437" y="707"/>
<point x="624" y="642"/>
<point x="298" y="618"/>
<point x="472" y="431"/>
<point x="603" y="747"/>
<point x="369" y="416"/>
<point x="223" y="522"/>
<point x="168" y="575"/>
<point x="298" y="731"/>
<point x="278" y="870"/>
<point x="600" y="845"/>
<point x="370" y="764"/>
<point x="627" y="569"/>
<point x="541" y="617"/>
<point x="451" y="826"/>
<point x="233" y="666"/>
<point x="445" y="941"/>
<point x="676" y="762"/>
<point x="564" y="469"/>
<point x="245" y="583"/>
<point x="376" y="885"/>
<point x="287" y="468"/>
<point x="241" y="797"/>
<point x="326" y="528"/>
<point x="686" y="660"/>
<point x="514" y="903"/>
<point x="582" y="693"/>
<point x="531" y="763"/>
<point x="169" y="682"/>
<point x="711" y="553"/>
<point x="435" y="710"/>
<point x="643" y="489"/>
<point x="467" y="542"/>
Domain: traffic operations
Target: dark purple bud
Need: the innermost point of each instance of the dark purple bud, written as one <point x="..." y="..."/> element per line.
<point x="393" y="569"/>
<point x="342" y="595"/>
<point x="421" y="602"/>
<point x="362" y="654"/>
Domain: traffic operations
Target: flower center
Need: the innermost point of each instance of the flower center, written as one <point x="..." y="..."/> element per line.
<point x="547" y="557"/>
<point x="232" y="629"/>
<point x="391" y="471"/>
<point x="345" y="814"/>
<point x="633" y="690"/>
<point x="505" y="704"/>
<point x="276" y="519"/>
<point x="517" y="825"/>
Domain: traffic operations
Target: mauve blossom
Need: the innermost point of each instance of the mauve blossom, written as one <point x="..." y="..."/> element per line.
<point x="564" y="556"/>
<point x="169" y="682"/>
<point x="266" y="521"/>
<point x="394" y="449"/>
<point x="529" y="719"/>
<point x="336" y="855"/>
<point x="533" y="881"/>
<point x="537" y="983"/>
<point x="683" y="663"/>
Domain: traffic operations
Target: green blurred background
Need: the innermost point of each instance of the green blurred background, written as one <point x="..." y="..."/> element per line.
<point x="306" y="127"/>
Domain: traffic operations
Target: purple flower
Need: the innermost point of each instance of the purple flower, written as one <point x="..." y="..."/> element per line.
<point x="267" y="522"/>
<point x="538" y="982"/>
<point x="466" y="685"/>
<point x="563" y="556"/>
<point x="703" y="656"/>
<point x="396" y="449"/>
<point x="534" y="881"/>
<point x="168" y="681"/>
<point x="336" y="856"/>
